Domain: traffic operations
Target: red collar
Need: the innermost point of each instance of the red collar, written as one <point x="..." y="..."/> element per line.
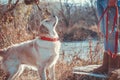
<point x="48" y="38"/>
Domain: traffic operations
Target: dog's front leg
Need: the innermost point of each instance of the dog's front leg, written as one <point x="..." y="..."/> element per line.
<point x="12" y="73"/>
<point x="42" y="73"/>
<point x="19" y="72"/>
<point x="52" y="73"/>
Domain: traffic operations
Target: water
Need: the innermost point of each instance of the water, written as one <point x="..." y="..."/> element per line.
<point x="83" y="49"/>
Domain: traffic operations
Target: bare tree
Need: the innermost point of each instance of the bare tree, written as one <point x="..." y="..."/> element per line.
<point x="69" y="12"/>
<point x="92" y="2"/>
<point x="65" y="12"/>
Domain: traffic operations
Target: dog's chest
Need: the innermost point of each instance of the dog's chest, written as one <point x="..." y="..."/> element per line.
<point x="49" y="51"/>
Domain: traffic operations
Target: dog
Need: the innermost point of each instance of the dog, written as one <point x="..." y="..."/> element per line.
<point x="40" y="53"/>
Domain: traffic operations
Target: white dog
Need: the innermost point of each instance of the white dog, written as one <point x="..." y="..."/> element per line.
<point x="40" y="53"/>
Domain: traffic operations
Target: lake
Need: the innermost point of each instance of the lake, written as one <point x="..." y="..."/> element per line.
<point x="84" y="49"/>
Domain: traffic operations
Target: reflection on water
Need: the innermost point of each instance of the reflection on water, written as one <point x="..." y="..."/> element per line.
<point x="83" y="49"/>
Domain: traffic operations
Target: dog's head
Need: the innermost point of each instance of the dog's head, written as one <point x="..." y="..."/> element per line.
<point x="47" y="26"/>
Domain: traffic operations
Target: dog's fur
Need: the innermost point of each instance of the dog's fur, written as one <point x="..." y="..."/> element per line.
<point x="37" y="53"/>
